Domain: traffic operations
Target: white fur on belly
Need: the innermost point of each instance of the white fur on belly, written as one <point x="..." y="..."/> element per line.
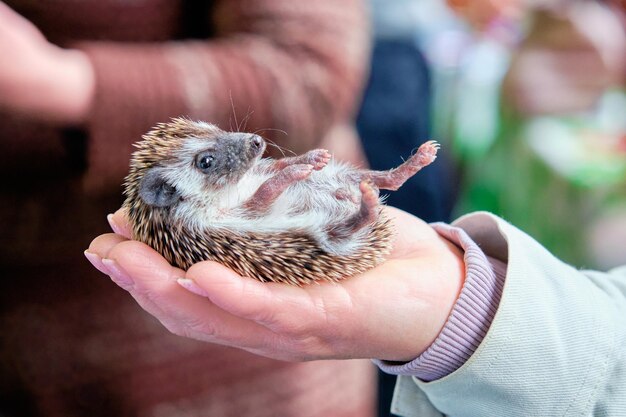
<point x="308" y="206"/>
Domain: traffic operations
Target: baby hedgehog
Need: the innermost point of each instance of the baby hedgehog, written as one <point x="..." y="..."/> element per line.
<point x="195" y="192"/>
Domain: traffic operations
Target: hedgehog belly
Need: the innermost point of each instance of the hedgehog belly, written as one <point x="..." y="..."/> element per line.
<point x="273" y="257"/>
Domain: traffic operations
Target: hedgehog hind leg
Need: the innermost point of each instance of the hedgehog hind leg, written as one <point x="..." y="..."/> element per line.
<point x="340" y="238"/>
<point x="394" y="178"/>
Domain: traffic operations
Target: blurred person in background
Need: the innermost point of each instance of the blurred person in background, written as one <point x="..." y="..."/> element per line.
<point x="560" y="125"/>
<point x="571" y="55"/>
<point x="572" y="51"/>
<point x="79" y="83"/>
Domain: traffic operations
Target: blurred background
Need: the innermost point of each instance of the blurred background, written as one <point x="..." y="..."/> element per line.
<point x="527" y="98"/>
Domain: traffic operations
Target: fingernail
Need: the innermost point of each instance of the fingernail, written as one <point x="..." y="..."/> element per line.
<point x="118" y="275"/>
<point x="191" y="286"/>
<point x="114" y="226"/>
<point x="96" y="261"/>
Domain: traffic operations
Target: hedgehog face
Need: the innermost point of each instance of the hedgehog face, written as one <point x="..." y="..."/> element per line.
<point x="202" y="164"/>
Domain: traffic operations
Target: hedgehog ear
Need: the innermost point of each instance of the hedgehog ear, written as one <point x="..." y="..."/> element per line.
<point x="155" y="191"/>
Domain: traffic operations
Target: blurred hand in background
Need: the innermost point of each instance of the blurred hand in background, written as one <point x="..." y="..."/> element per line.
<point x="39" y="78"/>
<point x="480" y="13"/>
<point x="568" y="60"/>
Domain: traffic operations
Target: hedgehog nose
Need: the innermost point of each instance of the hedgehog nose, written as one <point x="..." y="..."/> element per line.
<point x="257" y="142"/>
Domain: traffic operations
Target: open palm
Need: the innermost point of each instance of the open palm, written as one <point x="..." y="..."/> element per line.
<point x="392" y="312"/>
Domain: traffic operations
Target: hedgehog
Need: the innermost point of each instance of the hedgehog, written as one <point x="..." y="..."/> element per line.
<point x="195" y="192"/>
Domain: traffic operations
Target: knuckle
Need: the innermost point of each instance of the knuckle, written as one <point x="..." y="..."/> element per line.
<point x="277" y="324"/>
<point x="307" y="348"/>
<point x="182" y="330"/>
<point x="174" y="327"/>
<point x="283" y="325"/>
<point x="200" y="327"/>
<point x="293" y="329"/>
<point x="179" y="331"/>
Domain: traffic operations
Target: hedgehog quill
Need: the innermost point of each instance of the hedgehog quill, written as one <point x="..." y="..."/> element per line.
<point x="195" y="192"/>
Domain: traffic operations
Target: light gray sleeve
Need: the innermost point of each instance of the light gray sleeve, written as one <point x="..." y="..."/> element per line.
<point x="555" y="347"/>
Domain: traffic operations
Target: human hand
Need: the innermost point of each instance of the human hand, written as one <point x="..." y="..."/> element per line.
<point x="570" y="58"/>
<point x="392" y="312"/>
<point x="40" y="79"/>
<point x="480" y="13"/>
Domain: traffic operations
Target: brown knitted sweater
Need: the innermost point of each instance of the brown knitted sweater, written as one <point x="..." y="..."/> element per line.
<point x="74" y="344"/>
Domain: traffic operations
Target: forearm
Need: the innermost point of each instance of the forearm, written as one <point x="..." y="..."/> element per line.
<point x="552" y="348"/>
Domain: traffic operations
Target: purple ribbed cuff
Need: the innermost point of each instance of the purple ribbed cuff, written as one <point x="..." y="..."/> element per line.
<point x="470" y="318"/>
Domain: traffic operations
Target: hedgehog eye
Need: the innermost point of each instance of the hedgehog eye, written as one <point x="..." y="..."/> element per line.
<point x="204" y="161"/>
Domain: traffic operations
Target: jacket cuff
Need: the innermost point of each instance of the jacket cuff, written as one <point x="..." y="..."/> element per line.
<point x="470" y="318"/>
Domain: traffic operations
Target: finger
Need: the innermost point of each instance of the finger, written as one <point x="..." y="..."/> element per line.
<point x="284" y="309"/>
<point x="103" y="244"/>
<point x="119" y="223"/>
<point x="152" y="283"/>
<point x="156" y="289"/>
<point x="99" y="248"/>
<point x="99" y="254"/>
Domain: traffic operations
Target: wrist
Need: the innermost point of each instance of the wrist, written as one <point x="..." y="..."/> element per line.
<point x="451" y="279"/>
<point x="432" y="301"/>
<point x="469" y="319"/>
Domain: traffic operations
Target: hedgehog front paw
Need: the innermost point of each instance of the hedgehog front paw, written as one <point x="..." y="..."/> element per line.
<point x="319" y="158"/>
